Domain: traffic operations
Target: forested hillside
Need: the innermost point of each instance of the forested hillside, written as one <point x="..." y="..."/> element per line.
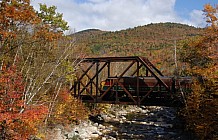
<point x="154" y="41"/>
<point x="133" y="40"/>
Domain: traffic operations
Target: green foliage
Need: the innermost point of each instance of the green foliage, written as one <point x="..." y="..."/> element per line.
<point x="52" y="18"/>
<point x="68" y="71"/>
<point x="95" y="49"/>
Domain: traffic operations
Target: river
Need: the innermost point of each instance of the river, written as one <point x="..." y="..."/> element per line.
<point x="130" y="122"/>
<point x="149" y="123"/>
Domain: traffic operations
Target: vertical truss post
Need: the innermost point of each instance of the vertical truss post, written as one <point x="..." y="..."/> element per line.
<point x="74" y="88"/>
<point x="136" y="70"/>
<point x="96" y="86"/>
<point x="108" y="69"/>
<point x="116" y="94"/>
<point x="79" y="89"/>
<point x="146" y="72"/>
<point x="137" y="83"/>
<point x="146" y="64"/>
<point x="91" y="89"/>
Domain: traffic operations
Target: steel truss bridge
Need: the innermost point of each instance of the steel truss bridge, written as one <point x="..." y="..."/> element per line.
<point x="127" y="80"/>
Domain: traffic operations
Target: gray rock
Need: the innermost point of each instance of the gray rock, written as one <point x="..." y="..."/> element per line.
<point x="84" y="136"/>
<point x="100" y="126"/>
<point x="111" y="126"/>
<point x="72" y="134"/>
<point x="105" y="131"/>
<point x="111" y="116"/>
<point x="94" y="135"/>
<point x="116" y="120"/>
<point x="160" y="119"/>
<point x="123" y="117"/>
<point x="98" y="132"/>
<point x="111" y="138"/>
<point x="95" y="124"/>
<point x="58" y="134"/>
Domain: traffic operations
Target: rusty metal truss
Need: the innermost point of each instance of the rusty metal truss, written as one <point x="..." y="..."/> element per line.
<point x="122" y="80"/>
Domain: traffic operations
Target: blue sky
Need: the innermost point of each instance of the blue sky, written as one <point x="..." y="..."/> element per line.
<point x="184" y="7"/>
<point x="112" y="15"/>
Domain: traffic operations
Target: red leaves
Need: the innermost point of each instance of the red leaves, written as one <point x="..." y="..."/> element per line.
<point x="14" y="123"/>
<point x="11" y="88"/>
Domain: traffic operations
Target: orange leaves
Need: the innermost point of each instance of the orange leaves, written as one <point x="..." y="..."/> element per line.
<point x="17" y="11"/>
<point x="202" y="52"/>
<point x="65" y="96"/>
<point x="36" y="112"/>
<point x="44" y="34"/>
<point x="14" y="15"/>
<point x="211" y="37"/>
<point x="202" y="55"/>
<point x="211" y="14"/>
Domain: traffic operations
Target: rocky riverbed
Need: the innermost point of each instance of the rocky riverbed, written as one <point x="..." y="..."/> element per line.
<point x="129" y="122"/>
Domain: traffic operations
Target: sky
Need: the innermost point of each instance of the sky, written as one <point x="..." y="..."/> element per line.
<point x="115" y="15"/>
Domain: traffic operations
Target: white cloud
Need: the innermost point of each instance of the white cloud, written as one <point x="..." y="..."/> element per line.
<point x="197" y="18"/>
<point x="97" y="1"/>
<point x="117" y="14"/>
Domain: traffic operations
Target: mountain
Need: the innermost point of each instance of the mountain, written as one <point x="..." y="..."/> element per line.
<point x="155" y="41"/>
<point x="87" y="34"/>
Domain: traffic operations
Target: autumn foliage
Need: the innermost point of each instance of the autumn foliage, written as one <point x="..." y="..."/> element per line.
<point x="67" y="110"/>
<point x="17" y="121"/>
<point x="201" y="55"/>
<point x="32" y="78"/>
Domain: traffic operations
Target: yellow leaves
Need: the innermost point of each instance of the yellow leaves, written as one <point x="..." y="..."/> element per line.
<point x="211" y="14"/>
<point x="208" y="8"/>
<point x="60" y="109"/>
<point x="101" y="108"/>
<point x="67" y="110"/>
